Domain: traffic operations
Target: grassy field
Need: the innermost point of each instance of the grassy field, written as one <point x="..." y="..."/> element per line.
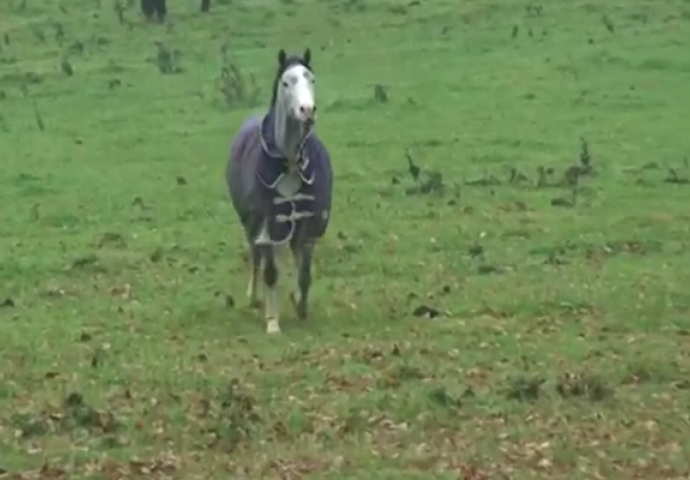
<point x="520" y="311"/>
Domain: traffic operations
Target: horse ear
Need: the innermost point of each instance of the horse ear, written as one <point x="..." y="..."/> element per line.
<point x="307" y="57"/>
<point x="281" y="57"/>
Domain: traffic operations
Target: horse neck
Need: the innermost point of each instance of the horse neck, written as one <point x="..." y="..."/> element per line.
<point x="288" y="133"/>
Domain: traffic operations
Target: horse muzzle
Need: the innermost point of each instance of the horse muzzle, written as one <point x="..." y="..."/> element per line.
<point x="307" y="114"/>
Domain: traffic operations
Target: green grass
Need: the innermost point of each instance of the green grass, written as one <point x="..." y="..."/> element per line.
<point x="561" y="351"/>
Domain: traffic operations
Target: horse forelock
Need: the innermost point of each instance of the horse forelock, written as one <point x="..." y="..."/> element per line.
<point x="290" y="62"/>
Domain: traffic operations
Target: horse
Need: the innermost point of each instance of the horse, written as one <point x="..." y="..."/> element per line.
<point x="280" y="180"/>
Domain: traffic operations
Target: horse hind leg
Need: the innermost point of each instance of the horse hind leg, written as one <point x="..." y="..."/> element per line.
<point x="270" y="274"/>
<point x="302" y="253"/>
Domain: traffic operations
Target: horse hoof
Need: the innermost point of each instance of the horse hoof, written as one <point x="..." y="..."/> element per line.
<point x="273" y="326"/>
<point x="254" y="303"/>
<point x="301" y="312"/>
<point x="300" y="307"/>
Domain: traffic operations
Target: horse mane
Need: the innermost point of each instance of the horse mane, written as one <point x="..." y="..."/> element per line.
<point x="289" y="62"/>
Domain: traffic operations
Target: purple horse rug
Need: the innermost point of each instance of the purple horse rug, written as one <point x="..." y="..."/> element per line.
<point x="274" y="198"/>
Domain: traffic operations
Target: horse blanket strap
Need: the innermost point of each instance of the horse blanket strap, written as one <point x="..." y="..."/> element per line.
<point x="280" y="225"/>
<point x="289" y="186"/>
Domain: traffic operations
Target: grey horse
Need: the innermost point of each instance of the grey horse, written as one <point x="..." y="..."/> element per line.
<point x="280" y="180"/>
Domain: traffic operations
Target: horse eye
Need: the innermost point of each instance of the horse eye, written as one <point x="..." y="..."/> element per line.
<point x="285" y="84"/>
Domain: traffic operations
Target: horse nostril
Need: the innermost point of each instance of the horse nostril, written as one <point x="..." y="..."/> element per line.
<point x="309" y="111"/>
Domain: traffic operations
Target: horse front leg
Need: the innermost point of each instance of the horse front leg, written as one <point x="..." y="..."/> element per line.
<point x="252" y="229"/>
<point x="270" y="274"/>
<point x="302" y="253"/>
<point x="252" y="288"/>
